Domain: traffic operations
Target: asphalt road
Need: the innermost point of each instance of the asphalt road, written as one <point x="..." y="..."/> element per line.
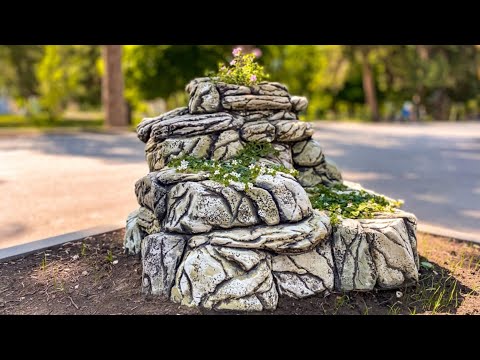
<point x="55" y="184"/>
<point x="435" y="168"/>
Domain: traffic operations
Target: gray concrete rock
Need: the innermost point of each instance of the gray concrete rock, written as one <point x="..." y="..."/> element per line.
<point x="308" y="153"/>
<point x="259" y="131"/>
<point x="144" y="129"/>
<point x="227" y="145"/>
<point x="133" y="234"/>
<point x="292" y="130"/>
<point x="268" y="115"/>
<point x="326" y="173"/>
<point x="160" y="154"/>
<point x="152" y="194"/>
<point x="220" y="278"/>
<point x="282" y="239"/>
<point x="204" y="98"/>
<point x="306" y="274"/>
<point x="299" y="103"/>
<point x="161" y="256"/>
<point x="191" y="125"/>
<point x="256" y="102"/>
<point x="372" y="253"/>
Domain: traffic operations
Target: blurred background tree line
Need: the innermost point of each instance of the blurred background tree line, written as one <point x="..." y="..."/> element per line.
<point x="342" y="82"/>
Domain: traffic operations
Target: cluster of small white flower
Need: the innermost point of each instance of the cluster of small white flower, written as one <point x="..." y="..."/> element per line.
<point x="183" y="165"/>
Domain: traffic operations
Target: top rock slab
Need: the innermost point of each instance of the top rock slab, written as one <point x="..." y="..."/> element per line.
<point x="207" y="96"/>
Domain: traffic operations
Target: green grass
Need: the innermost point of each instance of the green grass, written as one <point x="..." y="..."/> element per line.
<point x="42" y="121"/>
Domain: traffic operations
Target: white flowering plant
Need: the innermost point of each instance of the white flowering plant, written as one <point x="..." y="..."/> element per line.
<point x="242" y="170"/>
<point x="242" y="70"/>
<point x="343" y="202"/>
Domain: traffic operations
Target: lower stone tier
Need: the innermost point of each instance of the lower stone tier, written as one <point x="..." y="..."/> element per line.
<point x="248" y="270"/>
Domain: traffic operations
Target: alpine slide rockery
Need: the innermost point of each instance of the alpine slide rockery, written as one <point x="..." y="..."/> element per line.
<point x="226" y="220"/>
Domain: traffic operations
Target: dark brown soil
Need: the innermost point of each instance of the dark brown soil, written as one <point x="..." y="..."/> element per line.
<point x="93" y="276"/>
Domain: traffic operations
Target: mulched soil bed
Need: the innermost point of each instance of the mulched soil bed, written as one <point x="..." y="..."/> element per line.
<point x="93" y="276"/>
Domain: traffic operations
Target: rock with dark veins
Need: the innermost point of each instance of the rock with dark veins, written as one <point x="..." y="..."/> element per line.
<point x="372" y="253"/>
<point x="307" y="153"/>
<point x="299" y="103"/>
<point x="223" y="278"/>
<point x="258" y="131"/>
<point x="144" y="129"/>
<point x="231" y="248"/>
<point x="306" y="274"/>
<point x="292" y="130"/>
<point x="160" y="154"/>
<point x="326" y="173"/>
<point x="161" y="256"/>
<point x="204" y="99"/>
<point x="190" y="125"/>
<point x="256" y="102"/>
<point x="282" y="239"/>
<point x="133" y="234"/>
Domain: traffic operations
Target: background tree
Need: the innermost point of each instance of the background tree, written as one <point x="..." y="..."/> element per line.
<point x="113" y="87"/>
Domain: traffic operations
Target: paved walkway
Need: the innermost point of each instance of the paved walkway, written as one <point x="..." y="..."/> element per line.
<point x="55" y="184"/>
<point x="435" y="168"/>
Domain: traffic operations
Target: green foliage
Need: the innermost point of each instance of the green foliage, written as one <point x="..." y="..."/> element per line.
<point x="243" y="169"/>
<point x="242" y="70"/>
<point x="69" y="73"/>
<point x="18" y="65"/>
<point x="109" y="256"/>
<point x="343" y="202"/>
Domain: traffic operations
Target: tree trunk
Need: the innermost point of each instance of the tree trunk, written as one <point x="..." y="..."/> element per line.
<point x="369" y="86"/>
<point x="112" y="87"/>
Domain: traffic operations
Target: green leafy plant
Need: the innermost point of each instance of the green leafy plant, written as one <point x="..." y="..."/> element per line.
<point x="242" y="70"/>
<point x="343" y="202"/>
<point x="109" y="256"/>
<point x="241" y="170"/>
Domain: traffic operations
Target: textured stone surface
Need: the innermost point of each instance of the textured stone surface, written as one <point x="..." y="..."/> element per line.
<point x="256" y="102"/>
<point x="374" y="253"/>
<point x="354" y="263"/>
<point x="392" y="252"/>
<point x="308" y="153"/>
<point x="144" y="129"/>
<point x="147" y="221"/>
<point x="307" y="274"/>
<point x="228" y="248"/>
<point x="152" y="194"/>
<point x="284" y="156"/>
<point x="227" y="145"/>
<point x="259" y="131"/>
<point x="160" y="154"/>
<point x="282" y="239"/>
<point x="133" y="234"/>
<point x="269" y="115"/>
<point x="221" y="278"/>
<point x="190" y="125"/>
<point x="326" y="173"/>
<point x="204" y="98"/>
<point x="292" y="200"/>
<point x="161" y="256"/>
<point x="299" y="103"/>
<point x="201" y="207"/>
<point x="292" y="130"/>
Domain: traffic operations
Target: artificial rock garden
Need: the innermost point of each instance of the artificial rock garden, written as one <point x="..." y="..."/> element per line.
<point x="226" y="220"/>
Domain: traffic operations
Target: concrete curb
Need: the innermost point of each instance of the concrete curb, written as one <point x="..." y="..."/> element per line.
<point x="35" y="246"/>
<point x="448" y="233"/>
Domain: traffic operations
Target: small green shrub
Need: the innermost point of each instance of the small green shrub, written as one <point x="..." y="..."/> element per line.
<point x="344" y="202"/>
<point x="242" y="169"/>
<point x="242" y="70"/>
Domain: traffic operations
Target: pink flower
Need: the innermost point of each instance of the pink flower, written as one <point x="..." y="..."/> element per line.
<point x="253" y="78"/>
<point x="237" y="51"/>
<point x="257" y="52"/>
<point x="233" y="62"/>
<point x="223" y="67"/>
